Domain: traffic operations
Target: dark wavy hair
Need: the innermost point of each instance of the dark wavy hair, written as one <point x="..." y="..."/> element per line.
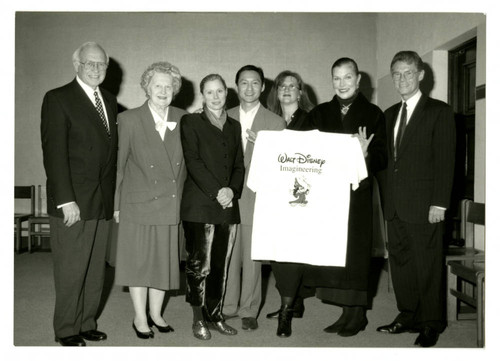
<point x="273" y="102"/>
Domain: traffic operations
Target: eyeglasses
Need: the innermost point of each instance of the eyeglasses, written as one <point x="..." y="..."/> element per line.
<point x="91" y="65"/>
<point x="408" y="75"/>
<point x="287" y="87"/>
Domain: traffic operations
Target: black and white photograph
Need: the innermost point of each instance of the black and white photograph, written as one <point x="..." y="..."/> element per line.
<point x="279" y="180"/>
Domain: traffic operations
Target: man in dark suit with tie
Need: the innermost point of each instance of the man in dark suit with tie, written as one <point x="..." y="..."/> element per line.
<point x="421" y="148"/>
<point x="79" y="142"/>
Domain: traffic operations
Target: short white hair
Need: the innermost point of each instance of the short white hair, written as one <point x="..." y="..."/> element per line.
<point x="78" y="52"/>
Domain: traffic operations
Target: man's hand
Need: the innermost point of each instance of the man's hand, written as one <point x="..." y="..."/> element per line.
<point x="71" y="213"/>
<point x="225" y="196"/>
<point x="436" y="214"/>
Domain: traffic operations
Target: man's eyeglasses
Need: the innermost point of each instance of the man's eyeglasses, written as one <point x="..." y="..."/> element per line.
<point x="91" y="65"/>
<point x="408" y="75"/>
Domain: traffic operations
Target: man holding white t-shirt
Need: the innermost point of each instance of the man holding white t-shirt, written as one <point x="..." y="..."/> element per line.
<point x="244" y="287"/>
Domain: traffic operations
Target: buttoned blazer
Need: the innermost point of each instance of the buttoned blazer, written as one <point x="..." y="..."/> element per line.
<point x="264" y="120"/>
<point x="214" y="160"/>
<point x="422" y="174"/>
<point x="78" y="156"/>
<point x="150" y="171"/>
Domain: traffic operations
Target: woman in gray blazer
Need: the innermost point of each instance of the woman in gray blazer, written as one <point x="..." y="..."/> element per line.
<point x="150" y="178"/>
<point x="211" y="142"/>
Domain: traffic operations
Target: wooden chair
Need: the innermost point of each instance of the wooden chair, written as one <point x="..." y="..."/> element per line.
<point x="23" y="192"/>
<point x="38" y="224"/>
<point x="466" y="272"/>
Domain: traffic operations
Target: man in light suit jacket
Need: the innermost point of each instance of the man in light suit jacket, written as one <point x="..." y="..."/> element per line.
<point x="79" y="142"/>
<point x="421" y="148"/>
<point x="244" y="286"/>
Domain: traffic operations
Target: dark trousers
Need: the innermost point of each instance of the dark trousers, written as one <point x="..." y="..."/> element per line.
<point x="417" y="265"/>
<point x="208" y="249"/>
<point x="79" y="266"/>
<point x="289" y="280"/>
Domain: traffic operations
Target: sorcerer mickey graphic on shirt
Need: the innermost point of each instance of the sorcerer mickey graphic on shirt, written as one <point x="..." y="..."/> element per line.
<point x="300" y="190"/>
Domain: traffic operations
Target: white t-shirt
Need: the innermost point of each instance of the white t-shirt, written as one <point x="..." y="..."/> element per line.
<point x="303" y="181"/>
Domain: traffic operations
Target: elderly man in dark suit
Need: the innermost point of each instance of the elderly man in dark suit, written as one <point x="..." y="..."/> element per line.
<point x="421" y="146"/>
<point x="79" y="142"/>
<point x="244" y="290"/>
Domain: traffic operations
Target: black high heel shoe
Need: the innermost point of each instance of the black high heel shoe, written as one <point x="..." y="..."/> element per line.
<point x="163" y="329"/>
<point x="143" y="335"/>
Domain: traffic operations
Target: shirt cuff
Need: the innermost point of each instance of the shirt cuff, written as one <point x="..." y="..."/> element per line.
<point x="64" y="204"/>
<point x="438" y="207"/>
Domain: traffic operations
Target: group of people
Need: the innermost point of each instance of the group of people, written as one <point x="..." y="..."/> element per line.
<point x="156" y="167"/>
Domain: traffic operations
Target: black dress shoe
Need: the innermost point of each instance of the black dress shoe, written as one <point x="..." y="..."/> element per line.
<point x="249" y="323"/>
<point x="395" y="328"/>
<point x="351" y="330"/>
<point x="143" y="335"/>
<point x="75" y="340"/>
<point x="93" y="335"/>
<point x="163" y="329"/>
<point x="427" y="337"/>
<point x="285" y="322"/>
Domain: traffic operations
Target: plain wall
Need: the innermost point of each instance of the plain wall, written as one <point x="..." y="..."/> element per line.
<point x="197" y="43"/>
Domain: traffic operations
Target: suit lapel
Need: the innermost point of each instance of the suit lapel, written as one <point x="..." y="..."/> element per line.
<point x="110" y="113"/>
<point x="88" y="108"/>
<point x="172" y="138"/>
<point x="392" y="124"/>
<point x="413" y="123"/>
<point x="259" y="123"/>
<point x="154" y="143"/>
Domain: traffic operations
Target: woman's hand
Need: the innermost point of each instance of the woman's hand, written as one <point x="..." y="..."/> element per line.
<point x="116" y="216"/>
<point x="225" y="197"/>
<point x="363" y="141"/>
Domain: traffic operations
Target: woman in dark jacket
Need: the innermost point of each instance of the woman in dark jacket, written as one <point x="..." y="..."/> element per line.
<point x="213" y="154"/>
<point x="350" y="112"/>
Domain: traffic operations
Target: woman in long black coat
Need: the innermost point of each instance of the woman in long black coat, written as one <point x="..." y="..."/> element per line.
<point x="350" y="112"/>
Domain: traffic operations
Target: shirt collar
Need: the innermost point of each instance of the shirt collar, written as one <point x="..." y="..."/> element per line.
<point x="156" y="117"/>
<point x="88" y="89"/>
<point x="251" y="112"/>
<point x="412" y="102"/>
